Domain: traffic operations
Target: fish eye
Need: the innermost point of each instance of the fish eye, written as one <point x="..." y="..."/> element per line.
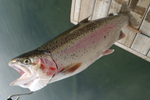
<point x="26" y="61"/>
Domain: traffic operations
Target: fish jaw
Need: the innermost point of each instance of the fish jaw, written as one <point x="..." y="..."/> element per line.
<point x="24" y="80"/>
<point x="29" y="77"/>
<point x="26" y="74"/>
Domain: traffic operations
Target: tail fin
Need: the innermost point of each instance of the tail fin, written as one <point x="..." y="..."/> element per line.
<point x="125" y="9"/>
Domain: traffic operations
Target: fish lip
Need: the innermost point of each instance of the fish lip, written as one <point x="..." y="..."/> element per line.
<point x="20" y="68"/>
<point x="11" y="63"/>
<point x="23" y="70"/>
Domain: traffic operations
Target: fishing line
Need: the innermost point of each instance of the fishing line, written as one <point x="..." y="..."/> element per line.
<point x="18" y="95"/>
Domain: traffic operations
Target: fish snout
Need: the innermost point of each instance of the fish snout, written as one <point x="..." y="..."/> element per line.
<point x="11" y="63"/>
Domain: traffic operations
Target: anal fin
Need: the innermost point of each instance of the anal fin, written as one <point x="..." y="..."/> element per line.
<point x="122" y="35"/>
<point x="108" y="51"/>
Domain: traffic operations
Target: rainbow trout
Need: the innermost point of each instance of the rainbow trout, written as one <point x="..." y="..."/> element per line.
<point x="71" y="52"/>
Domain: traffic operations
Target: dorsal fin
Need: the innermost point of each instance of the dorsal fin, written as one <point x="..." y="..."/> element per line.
<point x="111" y="14"/>
<point x="108" y="51"/>
<point x="84" y="20"/>
<point x="122" y="35"/>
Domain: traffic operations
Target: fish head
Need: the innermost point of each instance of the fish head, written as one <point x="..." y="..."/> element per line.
<point x="36" y="70"/>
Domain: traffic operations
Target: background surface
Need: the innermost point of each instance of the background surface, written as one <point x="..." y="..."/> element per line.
<point x="27" y="24"/>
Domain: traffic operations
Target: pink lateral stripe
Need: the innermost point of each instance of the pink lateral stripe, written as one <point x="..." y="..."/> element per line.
<point x="92" y="38"/>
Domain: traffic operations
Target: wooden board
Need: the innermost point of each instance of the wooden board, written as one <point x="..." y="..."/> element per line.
<point x="145" y="27"/>
<point x="134" y="6"/>
<point x="148" y="54"/>
<point x="81" y="9"/>
<point x="75" y="11"/>
<point x="116" y="5"/>
<point x="101" y="9"/>
<point x="133" y="51"/>
<point x="87" y="7"/>
<point x="138" y="9"/>
<point x="141" y="42"/>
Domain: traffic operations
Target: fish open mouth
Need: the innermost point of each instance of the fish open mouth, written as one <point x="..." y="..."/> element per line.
<point x="18" y="69"/>
<point x="31" y="78"/>
<point x="26" y="76"/>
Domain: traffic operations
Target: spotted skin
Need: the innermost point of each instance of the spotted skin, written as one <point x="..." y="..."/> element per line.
<point x="76" y="33"/>
<point x="74" y="50"/>
<point x="83" y="43"/>
<point x="73" y="39"/>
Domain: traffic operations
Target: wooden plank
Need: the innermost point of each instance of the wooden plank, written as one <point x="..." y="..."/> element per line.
<point x="148" y="54"/>
<point x="77" y="10"/>
<point x="128" y="40"/>
<point x="86" y="9"/>
<point x="101" y="9"/>
<point x="133" y="51"/>
<point x="145" y="27"/>
<point x="141" y="42"/>
<point x="97" y="9"/>
<point x="72" y="12"/>
<point x="138" y="9"/>
<point x="105" y="8"/>
<point x="116" y="5"/>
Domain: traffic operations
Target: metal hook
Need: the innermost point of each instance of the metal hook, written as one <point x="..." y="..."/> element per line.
<point x="18" y="95"/>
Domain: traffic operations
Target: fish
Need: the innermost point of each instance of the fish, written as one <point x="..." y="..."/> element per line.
<point x="72" y="51"/>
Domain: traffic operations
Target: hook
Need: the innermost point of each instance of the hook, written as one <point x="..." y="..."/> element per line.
<point x="18" y="95"/>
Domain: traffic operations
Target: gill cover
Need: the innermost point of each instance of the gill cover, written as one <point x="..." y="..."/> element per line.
<point x="46" y="69"/>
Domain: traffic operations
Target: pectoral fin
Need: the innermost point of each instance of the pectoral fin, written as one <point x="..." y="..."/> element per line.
<point x="71" y="68"/>
<point x="66" y="72"/>
<point x="108" y="51"/>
